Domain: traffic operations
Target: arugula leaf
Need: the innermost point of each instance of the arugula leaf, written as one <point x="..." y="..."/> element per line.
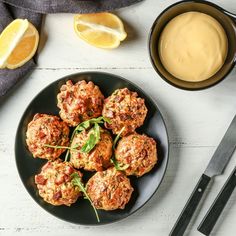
<point x="76" y="181"/>
<point x="86" y="124"/>
<point x="107" y="120"/>
<point x="67" y="155"/>
<point x="118" y="166"/>
<point x="89" y="145"/>
<point x="82" y="126"/>
<point x="113" y="159"/>
<point x="117" y="138"/>
<point x="93" y="139"/>
<point x="61" y="147"/>
<point x="91" y="142"/>
<point x="97" y="133"/>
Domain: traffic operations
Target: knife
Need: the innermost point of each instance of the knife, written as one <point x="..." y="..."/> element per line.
<point x="217" y="207"/>
<point x="215" y="167"/>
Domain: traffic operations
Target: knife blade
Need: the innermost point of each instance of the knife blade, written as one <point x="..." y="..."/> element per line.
<point x="218" y="205"/>
<point x="223" y="152"/>
<point x="215" y="167"/>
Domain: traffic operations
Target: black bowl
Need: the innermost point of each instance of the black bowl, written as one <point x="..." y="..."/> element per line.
<point x="226" y="19"/>
<point x="81" y="212"/>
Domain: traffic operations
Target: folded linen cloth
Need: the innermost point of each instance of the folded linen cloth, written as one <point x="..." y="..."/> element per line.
<point x="72" y="6"/>
<point x="33" y="10"/>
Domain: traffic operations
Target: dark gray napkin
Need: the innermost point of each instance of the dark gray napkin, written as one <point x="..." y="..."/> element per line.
<point x="72" y="6"/>
<point x="31" y="9"/>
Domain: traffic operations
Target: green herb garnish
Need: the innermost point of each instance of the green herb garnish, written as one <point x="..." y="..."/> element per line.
<point x="117" y="138"/>
<point x="67" y="155"/>
<point x="93" y="139"/>
<point x="113" y="159"/>
<point x="61" y="147"/>
<point x="86" y="124"/>
<point x="76" y="181"/>
<point x="117" y="165"/>
<point x="94" y="136"/>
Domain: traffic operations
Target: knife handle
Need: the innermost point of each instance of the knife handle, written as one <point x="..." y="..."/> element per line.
<point x="217" y="207"/>
<point x="190" y="207"/>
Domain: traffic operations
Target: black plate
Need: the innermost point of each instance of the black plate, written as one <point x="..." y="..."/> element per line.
<point x="81" y="212"/>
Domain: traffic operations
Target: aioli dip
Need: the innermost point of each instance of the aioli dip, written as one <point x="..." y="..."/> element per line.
<point x="193" y="46"/>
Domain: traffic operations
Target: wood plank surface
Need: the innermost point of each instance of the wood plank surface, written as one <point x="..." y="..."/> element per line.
<point x="196" y="122"/>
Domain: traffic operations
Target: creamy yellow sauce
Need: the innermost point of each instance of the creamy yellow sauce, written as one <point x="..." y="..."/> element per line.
<point x="193" y="46"/>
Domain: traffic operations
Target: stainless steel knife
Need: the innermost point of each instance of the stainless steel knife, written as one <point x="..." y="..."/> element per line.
<point x="215" y="167"/>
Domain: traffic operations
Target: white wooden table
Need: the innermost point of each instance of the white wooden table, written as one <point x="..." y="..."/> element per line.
<point x="196" y="122"/>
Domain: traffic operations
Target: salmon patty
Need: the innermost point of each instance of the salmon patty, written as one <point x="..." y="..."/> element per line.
<point x="109" y="189"/>
<point x="79" y="102"/>
<point x="46" y="129"/>
<point x="138" y="152"/>
<point x="98" y="158"/>
<point x="55" y="183"/>
<point x="125" y="110"/>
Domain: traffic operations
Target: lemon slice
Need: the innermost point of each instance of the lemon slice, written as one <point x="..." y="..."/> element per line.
<point x="18" y="44"/>
<point x="103" y="30"/>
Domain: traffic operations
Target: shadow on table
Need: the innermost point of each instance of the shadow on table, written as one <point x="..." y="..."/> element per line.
<point x="132" y="33"/>
<point x="43" y="39"/>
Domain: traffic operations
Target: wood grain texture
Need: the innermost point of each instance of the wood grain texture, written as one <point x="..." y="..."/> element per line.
<point x="196" y="122"/>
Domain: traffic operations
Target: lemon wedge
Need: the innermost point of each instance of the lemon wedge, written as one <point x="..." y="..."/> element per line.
<point x="18" y="43"/>
<point x="102" y="30"/>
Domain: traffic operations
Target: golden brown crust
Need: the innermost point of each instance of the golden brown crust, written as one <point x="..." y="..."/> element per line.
<point x="46" y="129"/>
<point x="138" y="152"/>
<point x="109" y="189"/>
<point x="98" y="158"/>
<point x="79" y="102"/>
<point x="54" y="183"/>
<point x="125" y="109"/>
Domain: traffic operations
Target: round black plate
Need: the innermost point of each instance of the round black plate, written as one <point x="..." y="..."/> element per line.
<point x="81" y="212"/>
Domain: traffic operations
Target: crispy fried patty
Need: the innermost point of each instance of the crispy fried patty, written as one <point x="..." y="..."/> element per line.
<point x="138" y="152"/>
<point x="125" y="109"/>
<point x="46" y="129"/>
<point x="79" y="102"/>
<point x="55" y="183"/>
<point x="98" y="158"/>
<point x="109" y="189"/>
